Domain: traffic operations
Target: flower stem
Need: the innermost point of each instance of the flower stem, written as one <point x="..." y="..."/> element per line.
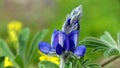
<point x="110" y="60"/>
<point x="62" y="61"/>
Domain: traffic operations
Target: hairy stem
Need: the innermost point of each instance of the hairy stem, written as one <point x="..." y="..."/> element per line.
<point x="62" y="61"/>
<point x="109" y="61"/>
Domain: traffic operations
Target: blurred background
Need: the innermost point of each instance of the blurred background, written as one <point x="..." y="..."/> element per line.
<point x="98" y="16"/>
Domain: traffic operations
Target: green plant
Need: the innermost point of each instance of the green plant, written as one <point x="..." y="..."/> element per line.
<point x="26" y="50"/>
<point x="106" y="44"/>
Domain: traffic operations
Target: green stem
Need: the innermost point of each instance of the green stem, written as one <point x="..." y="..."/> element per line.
<point x="110" y="60"/>
<point x="62" y="61"/>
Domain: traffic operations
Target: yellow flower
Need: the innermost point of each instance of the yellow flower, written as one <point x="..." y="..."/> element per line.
<point x="53" y="59"/>
<point x="13" y="36"/>
<point x="14" y="26"/>
<point x="7" y="62"/>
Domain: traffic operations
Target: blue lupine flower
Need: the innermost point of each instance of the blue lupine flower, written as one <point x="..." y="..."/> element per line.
<point x="63" y="43"/>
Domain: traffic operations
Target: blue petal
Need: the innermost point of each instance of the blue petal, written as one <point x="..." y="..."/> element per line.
<point x="55" y="39"/>
<point x="73" y="39"/>
<point x="59" y="38"/>
<point x="63" y="40"/>
<point x="80" y="51"/>
<point x="59" y="49"/>
<point x="45" y="48"/>
<point x="68" y="21"/>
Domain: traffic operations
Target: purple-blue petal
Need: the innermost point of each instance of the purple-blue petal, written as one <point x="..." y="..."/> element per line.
<point x="73" y="39"/>
<point x="59" y="49"/>
<point x="45" y="47"/>
<point x="63" y="40"/>
<point x="60" y="37"/>
<point x="80" y="51"/>
<point x="55" y="39"/>
<point x="68" y="21"/>
<point x="66" y="44"/>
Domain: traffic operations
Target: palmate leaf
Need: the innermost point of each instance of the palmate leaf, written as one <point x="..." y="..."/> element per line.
<point x="34" y="44"/>
<point x="5" y="49"/>
<point x="106" y="43"/>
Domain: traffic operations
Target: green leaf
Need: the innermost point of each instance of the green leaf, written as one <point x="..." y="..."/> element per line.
<point x="68" y="65"/>
<point x="93" y="42"/>
<point x="99" y="49"/>
<point x="81" y="59"/>
<point x="79" y="65"/>
<point x="107" y="38"/>
<point x="23" y="38"/>
<point x="41" y="65"/>
<point x="5" y="49"/>
<point x="1" y="61"/>
<point x="118" y="39"/>
<point x="106" y="43"/>
<point x="94" y="66"/>
<point x="49" y="64"/>
<point x="34" y="45"/>
<point x="19" y="61"/>
<point x="111" y="52"/>
<point x="85" y="62"/>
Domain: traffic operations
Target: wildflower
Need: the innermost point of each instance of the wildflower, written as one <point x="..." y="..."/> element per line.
<point x="66" y="41"/>
<point x="53" y="59"/>
<point x="13" y="36"/>
<point x="7" y="62"/>
<point x="63" y="43"/>
<point x="14" y="26"/>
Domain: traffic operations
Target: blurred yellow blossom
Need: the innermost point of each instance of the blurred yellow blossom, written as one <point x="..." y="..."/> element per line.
<point x="7" y="62"/>
<point x="53" y="59"/>
<point x="13" y="36"/>
<point x="15" y="26"/>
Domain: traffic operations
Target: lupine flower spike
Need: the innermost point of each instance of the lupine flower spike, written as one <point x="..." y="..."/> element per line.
<point x="72" y="20"/>
<point x="66" y="41"/>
